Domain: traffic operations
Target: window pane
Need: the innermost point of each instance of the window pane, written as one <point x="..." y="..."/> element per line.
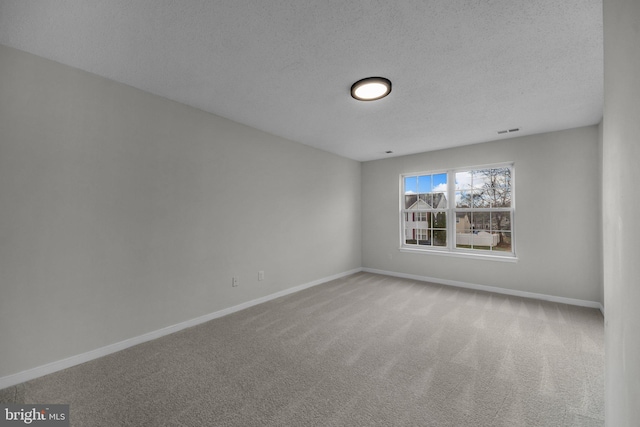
<point x="491" y="188"/>
<point x="439" y="183"/>
<point x="504" y="174"/>
<point x="463" y="240"/>
<point x="411" y="185"/>
<point x="409" y="234"/>
<point x="481" y="199"/>
<point x="426" y="201"/>
<point x="504" y="242"/>
<point x="439" y="237"/>
<point x="410" y="201"/>
<point x="481" y="245"/>
<point x="501" y="220"/>
<point x="423" y="236"/>
<point x="463" y="199"/>
<point x="424" y="184"/>
<point x="481" y="221"/>
<point x="463" y="180"/>
<point x="439" y="200"/>
<point x="463" y="222"/>
<point x="439" y="220"/>
<point x="498" y="187"/>
<point x="480" y="179"/>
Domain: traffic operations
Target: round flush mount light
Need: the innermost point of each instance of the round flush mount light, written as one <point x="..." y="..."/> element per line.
<point x="371" y="88"/>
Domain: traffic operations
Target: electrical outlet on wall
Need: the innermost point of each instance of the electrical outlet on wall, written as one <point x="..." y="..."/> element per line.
<point x="235" y="280"/>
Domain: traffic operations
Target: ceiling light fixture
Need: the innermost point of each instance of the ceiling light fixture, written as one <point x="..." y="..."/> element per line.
<point x="371" y="89"/>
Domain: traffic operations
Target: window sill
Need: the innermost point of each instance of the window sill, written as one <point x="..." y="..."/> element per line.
<point x="460" y="254"/>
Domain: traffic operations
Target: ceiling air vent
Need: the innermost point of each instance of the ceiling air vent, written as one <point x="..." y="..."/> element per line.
<point x="502" y="132"/>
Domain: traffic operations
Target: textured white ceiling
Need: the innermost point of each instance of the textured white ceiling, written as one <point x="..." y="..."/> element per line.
<point x="461" y="69"/>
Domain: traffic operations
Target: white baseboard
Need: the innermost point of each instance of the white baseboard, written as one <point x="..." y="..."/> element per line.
<point x="544" y="297"/>
<point x="59" y="365"/>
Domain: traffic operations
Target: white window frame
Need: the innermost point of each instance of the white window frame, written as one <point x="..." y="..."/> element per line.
<point x="450" y="249"/>
<point x="430" y="229"/>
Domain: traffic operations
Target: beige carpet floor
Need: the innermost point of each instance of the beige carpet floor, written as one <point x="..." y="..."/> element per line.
<point x="365" y="350"/>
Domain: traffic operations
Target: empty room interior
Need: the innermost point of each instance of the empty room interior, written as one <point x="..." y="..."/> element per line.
<point x="209" y="216"/>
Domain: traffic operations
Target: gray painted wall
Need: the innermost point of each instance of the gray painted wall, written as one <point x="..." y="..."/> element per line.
<point x="122" y="212"/>
<point x="557" y="215"/>
<point x="621" y="206"/>
<point x="600" y="213"/>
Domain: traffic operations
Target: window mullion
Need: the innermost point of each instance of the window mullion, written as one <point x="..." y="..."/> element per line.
<point x="451" y="213"/>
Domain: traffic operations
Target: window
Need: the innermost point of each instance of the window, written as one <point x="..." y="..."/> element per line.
<point x="424" y="210"/>
<point x="477" y="202"/>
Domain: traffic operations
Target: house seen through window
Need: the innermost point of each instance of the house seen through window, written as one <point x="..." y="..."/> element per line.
<point x="470" y="210"/>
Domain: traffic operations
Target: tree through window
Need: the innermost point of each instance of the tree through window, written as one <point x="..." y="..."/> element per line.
<point x="484" y="209"/>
